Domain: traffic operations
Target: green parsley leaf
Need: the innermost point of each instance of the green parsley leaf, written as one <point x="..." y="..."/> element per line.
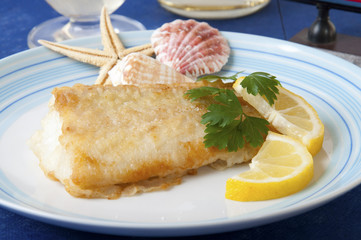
<point x="256" y="127"/>
<point x="224" y="111"/>
<point x="262" y="83"/>
<point x="227" y="126"/>
<point x="229" y="137"/>
<point x="211" y="78"/>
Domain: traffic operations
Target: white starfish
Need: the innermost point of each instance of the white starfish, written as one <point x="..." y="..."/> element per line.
<point x="107" y="58"/>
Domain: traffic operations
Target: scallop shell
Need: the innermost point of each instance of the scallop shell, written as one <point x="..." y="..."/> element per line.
<point x="192" y="48"/>
<point x="137" y="68"/>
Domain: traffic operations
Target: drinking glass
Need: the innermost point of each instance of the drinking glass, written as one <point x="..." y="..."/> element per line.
<point x="80" y="18"/>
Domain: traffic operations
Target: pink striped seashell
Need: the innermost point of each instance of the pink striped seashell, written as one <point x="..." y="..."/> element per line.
<point x="192" y="48"/>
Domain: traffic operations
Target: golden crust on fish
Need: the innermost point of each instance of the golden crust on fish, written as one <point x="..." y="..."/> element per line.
<point x="107" y="141"/>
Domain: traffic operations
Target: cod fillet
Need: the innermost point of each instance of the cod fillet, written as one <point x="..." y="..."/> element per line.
<point x="112" y="141"/>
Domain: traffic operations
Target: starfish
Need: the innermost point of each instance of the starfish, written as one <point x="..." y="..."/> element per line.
<point x="107" y="58"/>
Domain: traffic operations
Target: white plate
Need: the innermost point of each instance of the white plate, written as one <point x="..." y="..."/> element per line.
<point x="197" y="206"/>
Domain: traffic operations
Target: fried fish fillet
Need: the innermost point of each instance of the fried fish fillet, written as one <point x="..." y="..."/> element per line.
<point x="111" y="141"/>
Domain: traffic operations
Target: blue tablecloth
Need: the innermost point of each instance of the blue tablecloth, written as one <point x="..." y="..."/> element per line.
<point x="339" y="219"/>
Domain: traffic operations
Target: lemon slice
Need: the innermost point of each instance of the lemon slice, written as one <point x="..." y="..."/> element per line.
<point x="290" y="115"/>
<point x="282" y="166"/>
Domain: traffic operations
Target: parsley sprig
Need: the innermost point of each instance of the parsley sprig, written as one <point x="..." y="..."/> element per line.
<point x="262" y="83"/>
<point x="227" y="126"/>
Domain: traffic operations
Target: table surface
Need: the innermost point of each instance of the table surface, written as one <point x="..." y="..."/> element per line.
<point x="339" y="219"/>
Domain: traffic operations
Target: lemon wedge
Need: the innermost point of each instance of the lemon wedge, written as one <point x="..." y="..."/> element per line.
<point x="282" y="166"/>
<point x="291" y="115"/>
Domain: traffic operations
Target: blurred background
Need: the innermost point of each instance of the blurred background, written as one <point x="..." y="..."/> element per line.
<point x="280" y="19"/>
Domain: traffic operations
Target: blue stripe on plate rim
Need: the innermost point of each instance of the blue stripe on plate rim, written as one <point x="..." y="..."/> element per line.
<point x="312" y="198"/>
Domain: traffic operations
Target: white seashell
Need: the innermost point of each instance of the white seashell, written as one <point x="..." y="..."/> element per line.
<point x="192" y="48"/>
<point x="137" y="68"/>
